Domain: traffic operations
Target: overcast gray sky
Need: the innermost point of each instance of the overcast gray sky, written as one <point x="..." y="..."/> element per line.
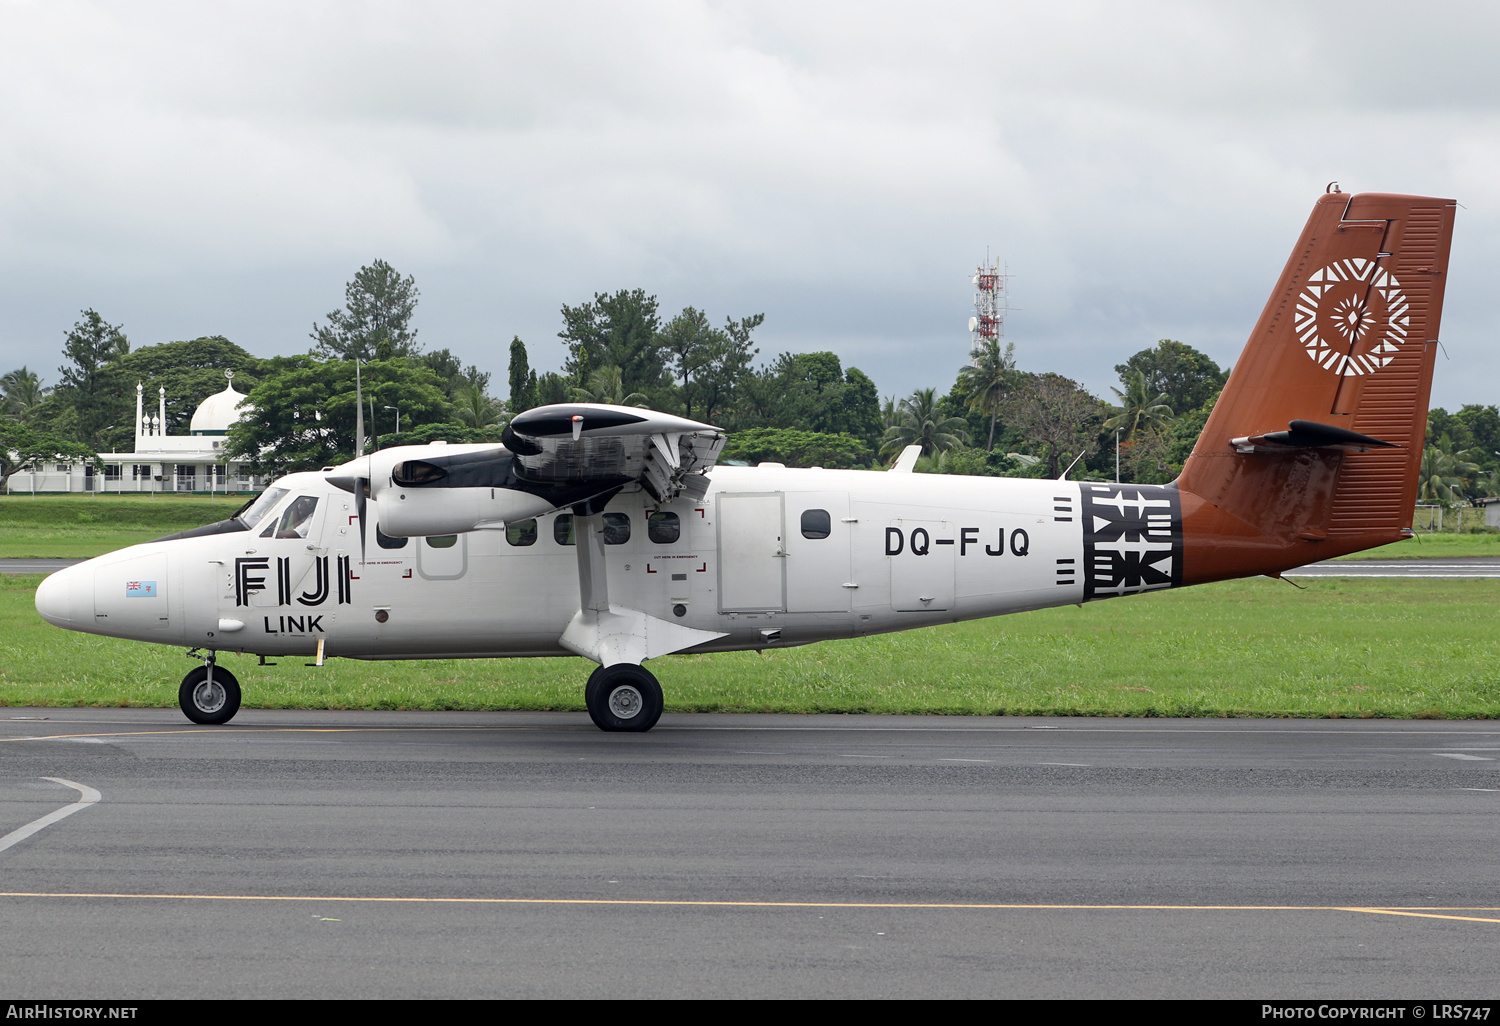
<point x="1143" y="168"/>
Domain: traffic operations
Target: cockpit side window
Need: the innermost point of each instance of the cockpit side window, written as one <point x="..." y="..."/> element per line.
<point x="297" y="519"/>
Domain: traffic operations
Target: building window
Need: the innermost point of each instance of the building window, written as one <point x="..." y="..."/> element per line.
<point x="111" y="472"/>
<point x="522" y="532"/>
<point x="216" y="473"/>
<point x="187" y="477"/>
<point x="64" y="468"/>
<point x="663" y="528"/>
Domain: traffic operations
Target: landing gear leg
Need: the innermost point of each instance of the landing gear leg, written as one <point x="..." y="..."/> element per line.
<point x="209" y="693"/>
<point x="623" y="697"/>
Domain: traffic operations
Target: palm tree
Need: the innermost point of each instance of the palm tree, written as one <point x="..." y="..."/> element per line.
<point x="1444" y="475"/>
<point x="472" y="407"/>
<point x="987" y="381"/>
<point x="921" y="424"/>
<point x="1138" y="412"/>
<point x="890" y="413"/>
<point x="20" y="392"/>
<point x="607" y="385"/>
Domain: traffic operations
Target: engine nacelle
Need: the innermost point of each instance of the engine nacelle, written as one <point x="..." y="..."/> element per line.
<point x="437" y="489"/>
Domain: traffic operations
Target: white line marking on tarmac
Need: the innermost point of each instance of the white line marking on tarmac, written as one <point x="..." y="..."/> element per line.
<point x="1080" y="765"/>
<point x="966" y="760"/>
<point x="1491" y="790"/>
<point x="88" y="797"/>
<point x="1461" y="755"/>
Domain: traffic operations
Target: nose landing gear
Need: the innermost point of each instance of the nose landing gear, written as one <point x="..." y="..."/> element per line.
<point x="623" y="697"/>
<point x="209" y="693"/>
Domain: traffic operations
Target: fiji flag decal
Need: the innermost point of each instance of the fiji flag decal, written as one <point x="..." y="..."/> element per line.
<point x="140" y="589"/>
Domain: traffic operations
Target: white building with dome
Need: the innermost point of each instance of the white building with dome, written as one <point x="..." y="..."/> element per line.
<point x="160" y="462"/>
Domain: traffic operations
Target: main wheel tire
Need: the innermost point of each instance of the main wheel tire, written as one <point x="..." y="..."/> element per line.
<point x="623" y="697"/>
<point x="203" y="702"/>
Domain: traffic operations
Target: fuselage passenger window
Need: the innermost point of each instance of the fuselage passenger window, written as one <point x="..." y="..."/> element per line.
<point x="816" y="523"/>
<point x="616" y="528"/>
<point x="443" y="541"/>
<point x="663" y="528"/>
<point x="522" y="532"/>
<point x="385" y="541"/>
<point x="562" y="529"/>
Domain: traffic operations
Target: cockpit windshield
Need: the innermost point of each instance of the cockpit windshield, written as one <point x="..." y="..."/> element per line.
<point x="254" y="510"/>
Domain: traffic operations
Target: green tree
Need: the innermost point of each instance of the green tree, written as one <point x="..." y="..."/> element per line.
<point x="1186" y="376"/>
<point x="620" y="330"/>
<point x="1138" y="412"/>
<point x="522" y="378"/>
<point x="378" y="306"/>
<point x="305" y="410"/>
<point x="190" y="370"/>
<point x="1056" y="416"/>
<point x="473" y="408"/>
<point x="922" y="424"/>
<point x="809" y="392"/>
<point x="1482" y="423"/>
<point x="987" y="381"/>
<point x="21" y="392"/>
<point x="448" y="368"/>
<point x="1445" y="474"/>
<point x="711" y="362"/>
<point x="797" y="448"/>
<point x="89" y="347"/>
<point x="552" y="388"/>
<point x="607" y="385"/>
<point x="21" y="445"/>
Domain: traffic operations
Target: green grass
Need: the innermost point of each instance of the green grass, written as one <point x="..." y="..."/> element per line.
<point x="85" y="525"/>
<point x="1341" y="648"/>
<point x="1434" y="546"/>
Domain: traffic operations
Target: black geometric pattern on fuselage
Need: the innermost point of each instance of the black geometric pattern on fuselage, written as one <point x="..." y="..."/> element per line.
<point x="1132" y="538"/>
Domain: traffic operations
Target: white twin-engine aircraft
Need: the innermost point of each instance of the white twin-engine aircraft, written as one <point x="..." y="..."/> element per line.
<point x="609" y="533"/>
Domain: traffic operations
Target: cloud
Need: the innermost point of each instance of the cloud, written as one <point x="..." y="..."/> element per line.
<point x="1143" y="168"/>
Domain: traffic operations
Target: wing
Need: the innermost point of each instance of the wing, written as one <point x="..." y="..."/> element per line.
<point x="570" y="455"/>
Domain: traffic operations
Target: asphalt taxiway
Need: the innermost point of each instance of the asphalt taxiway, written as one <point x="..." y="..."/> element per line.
<point x="335" y="854"/>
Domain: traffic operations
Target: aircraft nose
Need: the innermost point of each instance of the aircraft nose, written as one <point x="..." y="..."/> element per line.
<point x="66" y="597"/>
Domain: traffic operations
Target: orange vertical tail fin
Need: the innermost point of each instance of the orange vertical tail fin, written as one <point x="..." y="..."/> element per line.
<point x="1313" y="448"/>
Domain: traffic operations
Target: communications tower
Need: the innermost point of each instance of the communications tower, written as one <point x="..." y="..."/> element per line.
<point x="991" y="303"/>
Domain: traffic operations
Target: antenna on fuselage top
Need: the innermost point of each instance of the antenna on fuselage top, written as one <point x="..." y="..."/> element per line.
<point x="1064" y="475"/>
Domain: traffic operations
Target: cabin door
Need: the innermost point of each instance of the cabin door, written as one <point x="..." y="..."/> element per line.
<point x="818" y="539"/>
<point x="751" y="554"/>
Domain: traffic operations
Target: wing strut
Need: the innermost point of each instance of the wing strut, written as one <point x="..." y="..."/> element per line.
<point x="607" y="633"/>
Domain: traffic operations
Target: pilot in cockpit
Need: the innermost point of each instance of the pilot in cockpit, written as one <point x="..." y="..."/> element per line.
<point x="297" y="518"/>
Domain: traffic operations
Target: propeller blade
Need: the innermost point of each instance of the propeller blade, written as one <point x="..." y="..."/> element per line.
<point x="361" y="499"/>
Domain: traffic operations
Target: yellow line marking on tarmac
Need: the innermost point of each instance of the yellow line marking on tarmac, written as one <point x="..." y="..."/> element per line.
<point x="1429" y="912"/>
<point x="1427" y="915"/>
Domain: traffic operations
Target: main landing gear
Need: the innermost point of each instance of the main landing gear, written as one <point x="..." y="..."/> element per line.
<point x="209" y="693"/>
<point x="623" y="697"/>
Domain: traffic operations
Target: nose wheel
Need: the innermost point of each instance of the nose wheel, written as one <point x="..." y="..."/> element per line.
<point x="209" y="700"/>
<point x="623" y="697"/>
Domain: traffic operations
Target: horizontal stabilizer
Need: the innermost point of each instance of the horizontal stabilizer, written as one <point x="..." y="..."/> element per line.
<point x="1306" y="434"/>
